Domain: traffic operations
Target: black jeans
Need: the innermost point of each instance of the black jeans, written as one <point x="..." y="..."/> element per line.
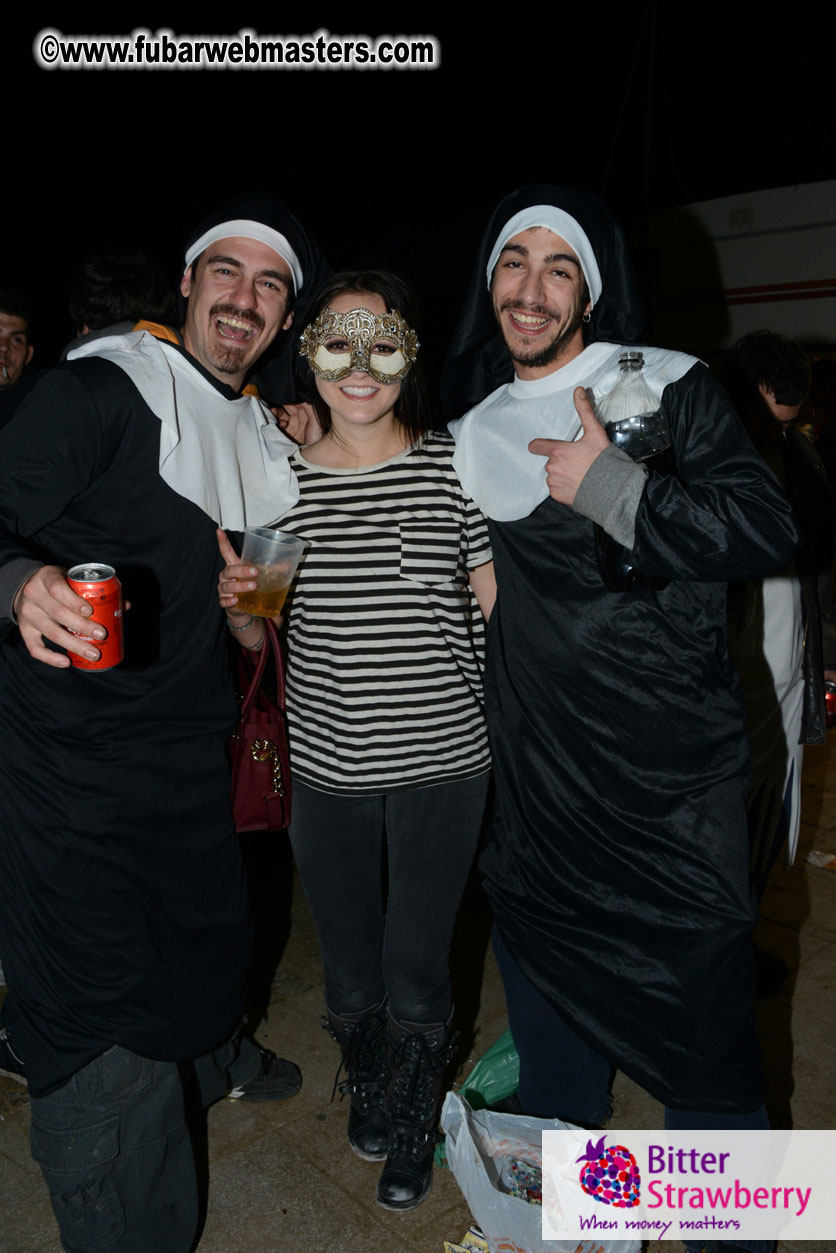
<point x="398" y="947"/>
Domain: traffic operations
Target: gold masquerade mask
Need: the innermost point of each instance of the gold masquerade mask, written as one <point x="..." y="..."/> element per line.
<point x="380" y="344"/>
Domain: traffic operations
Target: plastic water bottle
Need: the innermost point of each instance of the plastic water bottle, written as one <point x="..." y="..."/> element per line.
<point x="634" y="422"/>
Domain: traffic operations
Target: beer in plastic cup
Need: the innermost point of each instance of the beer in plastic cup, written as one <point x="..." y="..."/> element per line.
<point x="276" y="554"/>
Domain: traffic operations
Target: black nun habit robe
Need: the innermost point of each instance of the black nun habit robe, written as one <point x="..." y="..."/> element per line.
<point x="617" y="863"/>
<point x="124" y="915"/>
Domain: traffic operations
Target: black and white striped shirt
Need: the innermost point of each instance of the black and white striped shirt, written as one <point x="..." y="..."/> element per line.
<point x="384" y="683"/>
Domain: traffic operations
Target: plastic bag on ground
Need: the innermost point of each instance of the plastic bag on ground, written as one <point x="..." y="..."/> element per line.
<point x="479" y="1144"/>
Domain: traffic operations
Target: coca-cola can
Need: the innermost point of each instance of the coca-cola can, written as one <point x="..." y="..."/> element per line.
<point x="98" y="584"/>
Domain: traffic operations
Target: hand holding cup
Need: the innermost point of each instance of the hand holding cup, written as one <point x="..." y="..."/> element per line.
<point x="258" y="582"/>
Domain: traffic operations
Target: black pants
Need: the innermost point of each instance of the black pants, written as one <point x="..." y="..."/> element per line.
<point x="115" y="1151"/>
<point x="396" y="947"/>
<point x="562" y="1077"/>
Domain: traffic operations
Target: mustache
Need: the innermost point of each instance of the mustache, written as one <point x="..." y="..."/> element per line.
<point x="540" y="311"/>
<point x="231" y="311"/>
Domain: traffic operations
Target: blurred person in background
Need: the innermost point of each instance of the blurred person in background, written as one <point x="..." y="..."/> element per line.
<point x="16" y="351"/>
<point x="775" y="623"/>
<point x="110" y="293"/>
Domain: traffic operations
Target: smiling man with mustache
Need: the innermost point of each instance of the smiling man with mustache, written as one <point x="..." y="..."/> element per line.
<point x="239" y="293"/>
<point x="124" y="929"/>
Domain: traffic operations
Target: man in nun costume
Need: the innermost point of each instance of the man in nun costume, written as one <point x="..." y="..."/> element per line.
<point x="124" y="928"/>
<point x="617" y="861"/>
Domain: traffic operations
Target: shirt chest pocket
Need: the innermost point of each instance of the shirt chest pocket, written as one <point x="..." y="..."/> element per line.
<point x="430" y="551"/>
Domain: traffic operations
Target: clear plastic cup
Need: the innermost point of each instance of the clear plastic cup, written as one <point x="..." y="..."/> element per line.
<point x="276" y="554"/>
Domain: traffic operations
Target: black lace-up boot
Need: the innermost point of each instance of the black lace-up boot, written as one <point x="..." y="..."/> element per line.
<point x="418" y="1057"/>
<point x="362" y="1041"/>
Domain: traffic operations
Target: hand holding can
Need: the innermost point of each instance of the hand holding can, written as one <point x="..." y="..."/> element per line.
<point x="98" y="584"/>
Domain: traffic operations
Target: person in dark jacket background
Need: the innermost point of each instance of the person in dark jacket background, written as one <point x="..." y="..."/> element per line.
<point x="776" y="623"/>
<point x="16" y="351"/>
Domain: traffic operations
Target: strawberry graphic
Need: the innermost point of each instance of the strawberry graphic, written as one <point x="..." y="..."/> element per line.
<point x="610" y="1175"/>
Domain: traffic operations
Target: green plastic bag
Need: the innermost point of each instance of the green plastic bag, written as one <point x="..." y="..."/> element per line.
<point x="495" y="1075"/>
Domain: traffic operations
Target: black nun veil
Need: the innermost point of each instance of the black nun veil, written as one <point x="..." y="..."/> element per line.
<point x="478" y="361"/>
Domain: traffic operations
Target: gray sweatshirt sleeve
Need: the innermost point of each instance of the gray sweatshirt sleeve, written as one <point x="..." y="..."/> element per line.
<point x="12" y="577"/>
<point x="610" y="492"/>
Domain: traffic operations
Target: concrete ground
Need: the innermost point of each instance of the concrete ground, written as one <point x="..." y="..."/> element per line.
<point x="281" y="1178"/>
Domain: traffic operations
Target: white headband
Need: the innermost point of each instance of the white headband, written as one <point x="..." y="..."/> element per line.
<point x="564" y="225"/>
<point x="249" y="230"/>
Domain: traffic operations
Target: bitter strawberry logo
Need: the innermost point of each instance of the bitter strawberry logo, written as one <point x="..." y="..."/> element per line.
<point x="610" y="1175"/>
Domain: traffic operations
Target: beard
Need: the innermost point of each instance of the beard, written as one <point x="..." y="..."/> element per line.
<point x="230" y="360"/>
<point x="231" y="357"/>
<point x="554" y="350"/>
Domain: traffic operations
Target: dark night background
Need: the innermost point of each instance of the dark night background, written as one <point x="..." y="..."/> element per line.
<point x="652" y="106"/>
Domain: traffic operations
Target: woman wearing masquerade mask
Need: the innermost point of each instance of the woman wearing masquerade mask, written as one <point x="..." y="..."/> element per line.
<point x="384" y="706"/>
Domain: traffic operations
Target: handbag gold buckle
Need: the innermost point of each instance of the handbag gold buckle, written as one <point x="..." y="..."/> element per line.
<point x="262" y="750"/>
<point x="265" y="750"/>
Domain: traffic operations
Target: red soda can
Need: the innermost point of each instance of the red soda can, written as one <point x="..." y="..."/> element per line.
<point x="830" y="701"/>
<point x="98" y="584"/>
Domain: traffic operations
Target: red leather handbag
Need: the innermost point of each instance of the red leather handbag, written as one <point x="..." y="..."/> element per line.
<point x="259" y="752"/>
